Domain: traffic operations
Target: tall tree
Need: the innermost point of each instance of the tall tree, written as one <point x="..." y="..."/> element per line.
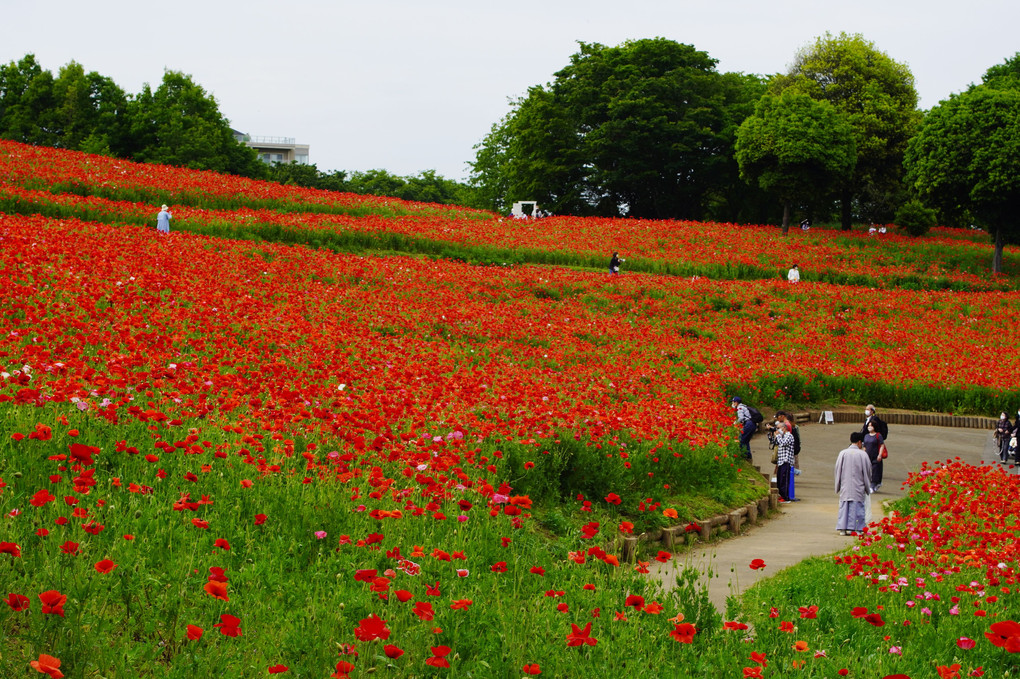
<point x="795" y="147"/>
<point x="90" y="111"/>
<point x="876" y="95"/>
<point x="966" y="158"/>
<point x="27" y="106"/>
<point x="643" y="129"/>
<point x="180" y="124"/>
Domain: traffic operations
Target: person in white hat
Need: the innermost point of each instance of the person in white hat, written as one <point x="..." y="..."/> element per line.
<point x="163" y="219"/>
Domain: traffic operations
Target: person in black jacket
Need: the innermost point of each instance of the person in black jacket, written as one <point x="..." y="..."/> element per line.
<point x="614" y="263"/>
<point x="1004" y="430"/>
<point x="870" y="417"/>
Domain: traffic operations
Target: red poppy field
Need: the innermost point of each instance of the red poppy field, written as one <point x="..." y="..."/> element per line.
<point x="226" y="456"/>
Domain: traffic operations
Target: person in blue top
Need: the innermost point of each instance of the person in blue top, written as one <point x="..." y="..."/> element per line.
<point x="163" y="220"/>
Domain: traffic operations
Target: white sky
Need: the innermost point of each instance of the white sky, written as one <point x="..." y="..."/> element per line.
<point x="413" y="85"/>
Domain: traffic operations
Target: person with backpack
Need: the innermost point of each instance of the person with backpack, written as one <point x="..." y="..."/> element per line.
<point x="748" y="419"/>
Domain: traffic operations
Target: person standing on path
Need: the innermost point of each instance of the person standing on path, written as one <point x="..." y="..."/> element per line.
<point x="784" y="460"/>
<point x="872" y="426"/>
<point x="874" y="446"/>
<point x="747" y="425"/>
<point x="163" y="219"/>
<point x="853" y="485"/>
<point x="1004" y="430"/>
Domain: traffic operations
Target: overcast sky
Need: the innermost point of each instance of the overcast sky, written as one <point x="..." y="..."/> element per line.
<point x="413" y="85"/>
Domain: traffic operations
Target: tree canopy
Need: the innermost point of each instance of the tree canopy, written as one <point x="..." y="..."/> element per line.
<point x="643" y="129"/>
<point x="966" y="159"/>
<point x="877" y="97"/>
<point x="795" y="147"/>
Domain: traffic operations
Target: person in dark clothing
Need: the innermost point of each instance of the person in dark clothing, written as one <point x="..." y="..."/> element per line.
<point x="614" y="263"/>
<point x="880" y="426"/>
<point x="1004" y="430"/>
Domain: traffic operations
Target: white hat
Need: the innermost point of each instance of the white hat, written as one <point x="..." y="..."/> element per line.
<point x="164" y="207"/>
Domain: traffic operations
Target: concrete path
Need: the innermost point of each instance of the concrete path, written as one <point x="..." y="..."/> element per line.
<point x="808" y="528"/>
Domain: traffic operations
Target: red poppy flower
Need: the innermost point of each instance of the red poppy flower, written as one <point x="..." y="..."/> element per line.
<point x="403" y="595"/>
<point x="372" y="627"/>
<point x="875" y="619"/>
<point x="229" y="625"/>
<point x="734" y="626"/>
<point x="105" y="566"/>
<point x="461" y="604"/>
<point x="532" y="669"/>
<point x="53" y="602"/>
<point x="537" y="570"/>
<point x="222" y="544"/>
<point x="10" y="548"/>
<point x="808" y="612"/>
<point x="1005" y="635"/>
<point x="216" y="590"/>
<point x="423" y="610"/>
<point x="580" y="637"/>
<point x="392" y="651"/>
<point x="195" y="632"/>
<point x="757" y="564"/>
<point x="260" y="519"/>
<point x="41" y="498"/>
<point x="278" y="669"/>
<point x="499" y="567"/>
<point x="438" y="658"/>
<point x="684" y="633"/>
<point x="343" y="670"/>
<point x="18" y="602"/>
<point x="432" y="590"/>
<point x="663" y="557"/>
<point x="47" y="664"/>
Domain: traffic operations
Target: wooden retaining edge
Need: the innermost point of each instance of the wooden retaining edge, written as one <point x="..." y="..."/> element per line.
<point x="671" y="536"/>
<point x="922" y="419"/>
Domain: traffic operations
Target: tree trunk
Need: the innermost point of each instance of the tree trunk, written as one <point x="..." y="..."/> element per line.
<point x="997" y="257"/>
<point x="786" y="218"/>
<point x="845" y="201"/>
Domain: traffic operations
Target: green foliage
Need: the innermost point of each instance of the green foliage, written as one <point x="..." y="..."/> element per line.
<point x="27" y="104"/>
<point x="643" y="129"/>
<point x="915" y="218"/>
<point x="794" y="147"/>
<point x="877" y="97"/>
<point x="180" y="124"/>
<point x="966" y="157"/>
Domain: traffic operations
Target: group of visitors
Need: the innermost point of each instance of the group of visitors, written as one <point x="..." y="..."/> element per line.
<point x="858" y="471"/>
<point x="1006" y="433"/>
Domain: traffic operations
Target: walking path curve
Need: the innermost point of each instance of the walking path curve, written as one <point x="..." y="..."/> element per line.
<point x="808" y="528"/>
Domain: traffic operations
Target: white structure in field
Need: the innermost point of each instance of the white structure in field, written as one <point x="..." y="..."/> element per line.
<point x="518" y="209"/>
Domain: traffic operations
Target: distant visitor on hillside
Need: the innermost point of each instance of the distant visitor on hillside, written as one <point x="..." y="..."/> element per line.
<point x="853" y="485"/>
<point x="163" y="219"/>
<point x="793" y="275"/>
<point x="805" y="225"/>
<point x="614" y="263"/>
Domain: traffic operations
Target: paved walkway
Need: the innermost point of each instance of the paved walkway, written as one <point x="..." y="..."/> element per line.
<point x="808" y="528"/>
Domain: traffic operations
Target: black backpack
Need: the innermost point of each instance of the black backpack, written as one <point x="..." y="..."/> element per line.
<point x="756" y="415"/>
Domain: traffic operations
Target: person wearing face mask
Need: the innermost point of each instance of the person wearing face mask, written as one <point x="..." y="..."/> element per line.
<point x="870" y="417"/>
<point x="853" y="484"/>
<point x="1004" y="430"/>
<point x="874" y="442"/>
